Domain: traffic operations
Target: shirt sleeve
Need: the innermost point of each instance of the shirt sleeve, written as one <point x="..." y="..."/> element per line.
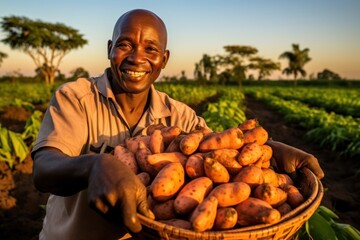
<point x="64" y="124"/>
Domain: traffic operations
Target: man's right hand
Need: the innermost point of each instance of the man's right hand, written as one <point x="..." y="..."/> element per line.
<point x="116" y="193"/>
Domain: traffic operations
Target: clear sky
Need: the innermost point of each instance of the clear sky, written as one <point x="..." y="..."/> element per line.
<point x="329" y="28"/>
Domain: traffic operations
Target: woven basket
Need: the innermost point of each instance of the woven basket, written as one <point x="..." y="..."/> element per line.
<point x="289" y="224"/>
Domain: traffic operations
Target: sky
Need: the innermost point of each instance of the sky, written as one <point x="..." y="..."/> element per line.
<point x="329" y="28"/>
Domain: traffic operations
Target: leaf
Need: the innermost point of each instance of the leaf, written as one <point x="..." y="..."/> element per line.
<point x="327" y="213"/>
<point x="19" y="146"/>
<point x="345" y="231"/>
<point x="320" y="229"/>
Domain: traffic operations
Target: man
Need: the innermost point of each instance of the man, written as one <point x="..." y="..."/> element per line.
<point x="95" y="196"/>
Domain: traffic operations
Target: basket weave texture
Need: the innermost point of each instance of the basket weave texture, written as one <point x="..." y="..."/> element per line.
<point x="289" y="224"/>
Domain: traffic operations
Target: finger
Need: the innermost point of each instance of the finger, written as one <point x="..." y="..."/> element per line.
<point x="130" y="219"/>
<point x="143" y="208"/>
<point x="314" y="166"/>
<point x="100" y="206"/>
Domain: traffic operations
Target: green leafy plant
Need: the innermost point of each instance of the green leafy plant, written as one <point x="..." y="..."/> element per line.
<point x="323" y="226"/>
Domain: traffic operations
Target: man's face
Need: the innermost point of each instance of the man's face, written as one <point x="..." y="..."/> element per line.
<point x="137" y="52"/>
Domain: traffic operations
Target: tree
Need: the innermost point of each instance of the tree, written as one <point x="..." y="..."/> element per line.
<point x="2" y="56"/>
<point x="46" y="43"/>
<point x="265" y="66"/>
<point x="326" y="74"/>
<point x="78" y="73"/>
<point x="297" y="59"/>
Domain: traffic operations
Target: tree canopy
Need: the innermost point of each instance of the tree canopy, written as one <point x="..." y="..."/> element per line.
<point x="297" y="59"/>
<point x="2" y="56"/>
<point x="46" y="43"/>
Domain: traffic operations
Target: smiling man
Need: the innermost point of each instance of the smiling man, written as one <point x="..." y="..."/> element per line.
<point x="94" y="195"/>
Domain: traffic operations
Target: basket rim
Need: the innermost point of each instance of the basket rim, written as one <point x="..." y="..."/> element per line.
<point x="258" y="230"/>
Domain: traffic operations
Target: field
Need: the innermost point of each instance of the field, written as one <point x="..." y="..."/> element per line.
<point x="322" y="120"/>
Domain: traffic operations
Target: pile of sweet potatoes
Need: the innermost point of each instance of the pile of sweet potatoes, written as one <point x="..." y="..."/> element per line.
<point x="206" y="180"/>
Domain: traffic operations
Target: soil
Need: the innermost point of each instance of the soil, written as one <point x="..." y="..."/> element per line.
<point x="22" y="206"/>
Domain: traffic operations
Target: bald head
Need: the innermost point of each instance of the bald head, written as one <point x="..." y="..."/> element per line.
<point x="137" y="17"/>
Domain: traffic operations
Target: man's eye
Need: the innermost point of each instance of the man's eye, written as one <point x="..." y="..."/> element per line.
<point x="123" y="45"/>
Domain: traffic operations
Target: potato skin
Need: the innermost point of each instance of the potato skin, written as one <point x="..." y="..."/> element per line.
<point x="254" y="211"/>
<point x="249" y="154"/>
<point x="203" y="217"/>
<point x="248" y="124"/>
<point x="164" y="210"/>
<point x="257" y="134"/>
<point x="231" y="194"/>
<point x="270" y="194"/>
<point x="179" y="223"/>
<point x="192" y="194"/>
<point x="216" y="171"/>
<point x="227" y="158"/>
<point x="156" y="144"/>
<point x="270" y="176"/>
<point x="126" y="157"/>
<point x="294" y="196"/>
<point x="190" y="143"/>
<point x="232" y="138"/>
<point x="194" y="166"/>
<point x="226" y="218"/>
<point x="252" y="175"/>
<point x="168" y="182"/>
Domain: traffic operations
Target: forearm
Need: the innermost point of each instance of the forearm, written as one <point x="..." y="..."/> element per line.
<point x="59" y="174"/>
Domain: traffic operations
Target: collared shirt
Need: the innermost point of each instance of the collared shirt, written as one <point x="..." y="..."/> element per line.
<point x="85" y="113"/>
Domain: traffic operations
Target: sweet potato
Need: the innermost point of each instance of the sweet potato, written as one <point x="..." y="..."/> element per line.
<point x="151" y="128"/>
<point x="283" y="178"/>
<point x="164" y="210"/>
<point x="132" y="143"/>
<point x="257" y="134"/>
<point x="141" y="158"/>
<point x="270" y="176"/>
<point x="284" y="208"/>
<point x="144" y="178"/>
<point x="216" y="171"/>
<point x="170" y="133"/>
<point x="249" y="154"/>
<point x="231" y="194"/>
<point x="252" y="175"/>
<point x="204" y="215"/>
<point x="192" y="194"/>
<point x="232" y="138"/>
<point x="168" y="182"/>
<point x="227" y="158"/>
<point x="248" y="125"/>
<point x="156" y="144"/>
<point x="226" y="218"/>
<point x="194" y="166"/>
<point x="126" y="157"/>
<point x="178" y="223"/>
<point x="294" y="196"/>
<point x="159" y="160"/>
<point x="266" y="153"/>
<point x="270" y="194"/>
<point x="190" y="143"/>
<point x="254" y="211"/>
<point x="174" y="145"/>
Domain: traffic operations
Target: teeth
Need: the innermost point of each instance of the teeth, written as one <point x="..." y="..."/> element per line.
<point x="135" y="74"/>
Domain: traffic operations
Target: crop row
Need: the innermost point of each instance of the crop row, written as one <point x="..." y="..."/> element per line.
<point x="334" y="131"/>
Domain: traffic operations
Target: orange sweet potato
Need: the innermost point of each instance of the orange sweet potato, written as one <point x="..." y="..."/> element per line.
<point x="164" y="210"/>
<point x="194" y="166"/>
<point x="248" y="124"/>
<point x="174" y="145"/>
<point x="270" y="176"/>
<point x="227" y="158"/>
<point x="159" y="160"/>
<point x="283" y="178"/>
<point x="249" y="154"/>
<point x="192" y="194"/>
<point x="252" y="175"/>
<point x="151" y="128"/>
<point x="270" y="194"/>
<point x="266" y="153"/>
<point x="254" y="211"/>
<point x="168" y="182"/>
<point x="216" y="171"/>
<point x="232" y="138"/>
<point x="204" y="215"/>
<point x="284" y="208"/>
<point x="126" y="157"/>
<point x="170" y="133"/>
<point x="156" y="143"/>
<point x="226" y="218"/>
<point x="141" y="158"/>
<point x="190" y="143"/>
<point x="257" y="134"/>
<point x="132" y="143"/>
<point x="294" y="196"/>
<point x="231" y="194"/>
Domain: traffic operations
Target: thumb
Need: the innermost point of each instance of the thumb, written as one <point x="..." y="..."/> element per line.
<point x="313" y="164"/>
<point x="143" y="208"/>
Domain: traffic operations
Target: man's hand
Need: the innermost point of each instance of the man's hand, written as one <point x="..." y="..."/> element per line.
<point x="116" y="193"/>
<point x="289" y="159"/>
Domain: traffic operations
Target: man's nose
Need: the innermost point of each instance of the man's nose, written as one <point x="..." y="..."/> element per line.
<point x="137" y="56"/>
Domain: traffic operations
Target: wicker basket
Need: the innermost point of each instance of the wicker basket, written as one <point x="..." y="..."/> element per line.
<point x="289" y="224"/>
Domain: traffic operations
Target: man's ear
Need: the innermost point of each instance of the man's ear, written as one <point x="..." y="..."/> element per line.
<point x="109" y="46"/>
<point x="165" y="58"/>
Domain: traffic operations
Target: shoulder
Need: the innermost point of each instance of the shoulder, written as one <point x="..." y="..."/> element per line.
<point x="79" y="88"/>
